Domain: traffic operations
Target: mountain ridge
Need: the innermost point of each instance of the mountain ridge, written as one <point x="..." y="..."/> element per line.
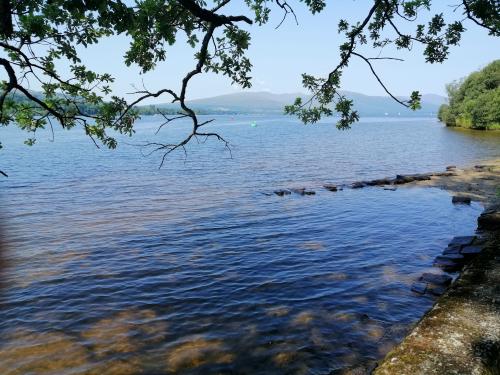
<point x="264" y="101"/>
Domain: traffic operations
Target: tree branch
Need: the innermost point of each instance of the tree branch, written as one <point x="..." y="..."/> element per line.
<point x="210" y="16"/>
<point x="6" y="26"/>
<point x="379" y="80"/>
<point x="468" y="12"/>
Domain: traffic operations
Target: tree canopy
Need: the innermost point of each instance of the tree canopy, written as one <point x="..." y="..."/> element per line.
<point x="38" y="36"/>
<point x="474" y="102"/>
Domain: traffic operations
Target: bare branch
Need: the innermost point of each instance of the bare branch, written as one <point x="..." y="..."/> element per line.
<point x="168" y="119"/>
<point x="379" y="80"/>
<point x="287" y="9"/>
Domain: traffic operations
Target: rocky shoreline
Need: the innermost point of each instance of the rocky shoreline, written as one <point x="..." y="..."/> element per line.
<point x="461" y="333"/>
<point x="467" y="191"/>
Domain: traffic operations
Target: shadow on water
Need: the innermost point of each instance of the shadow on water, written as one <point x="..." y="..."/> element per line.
<point x="134" y="341"/>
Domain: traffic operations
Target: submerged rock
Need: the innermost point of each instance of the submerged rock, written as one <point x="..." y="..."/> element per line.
<point x="449" y="263"/>
<point x="303" y="191"/>
<point x="460" y="199"/>
<point x="444" y="174"/>
<point x="436" y="290"/>
<point x="402" y="179"/>
<point x="419" y="287"/>
<point x="330" y="187"/>
<point x="421" y="177"/>
<point x="358" y="185"/>
<point x="436" y="279"/>
<point x="451" y="167"/>
<point x="282" y="193"/>
<point x="365" y="318"/>
<point x="379" y="182"/>
<point x="393" y="188"/>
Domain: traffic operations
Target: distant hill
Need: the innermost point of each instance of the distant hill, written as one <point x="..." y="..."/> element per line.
<point x="266" y="102"/>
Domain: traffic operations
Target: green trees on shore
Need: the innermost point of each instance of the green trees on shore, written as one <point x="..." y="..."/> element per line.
<point x="474" y="102"/>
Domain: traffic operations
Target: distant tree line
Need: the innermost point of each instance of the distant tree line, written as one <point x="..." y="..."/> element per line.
<point x="89" y="109"/>
<point x="474" y="102"/>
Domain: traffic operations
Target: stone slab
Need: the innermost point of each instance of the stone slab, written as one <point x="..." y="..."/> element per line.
<point x="436" y="279"/>
<point x="402" y="179"/>
<point x="330" y="187"/>
<point x="451" y="257"/>
<point x="462" y="240"/>
<point x="453" y="249"/>
<point x="358" y="185"/>
<point x="421" y="177"/>
<point x="448" y="265"/>
<point x="379" y="182"/>
<point x="436" y="290"/>
<point x="282" y="193"/>
<point x="471" y="250"/>
<point x="459" y="199"/>
<point x="419" y="287"/>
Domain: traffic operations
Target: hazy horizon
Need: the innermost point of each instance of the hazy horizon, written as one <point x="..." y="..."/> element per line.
<point x="301" y="93"/>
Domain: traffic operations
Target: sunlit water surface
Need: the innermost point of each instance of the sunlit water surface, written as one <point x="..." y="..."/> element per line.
<point x="114" y="266"/>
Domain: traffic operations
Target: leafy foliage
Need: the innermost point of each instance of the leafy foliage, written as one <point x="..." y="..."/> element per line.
<point x="474" y="102"/>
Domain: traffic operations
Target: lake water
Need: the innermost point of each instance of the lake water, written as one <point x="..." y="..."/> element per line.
<point x="112" y="266"/>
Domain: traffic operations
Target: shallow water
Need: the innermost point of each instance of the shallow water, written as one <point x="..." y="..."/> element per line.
<point x="114" y="266"/>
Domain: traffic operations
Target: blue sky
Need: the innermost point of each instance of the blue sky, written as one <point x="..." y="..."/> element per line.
<point x="280" y="56"/>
